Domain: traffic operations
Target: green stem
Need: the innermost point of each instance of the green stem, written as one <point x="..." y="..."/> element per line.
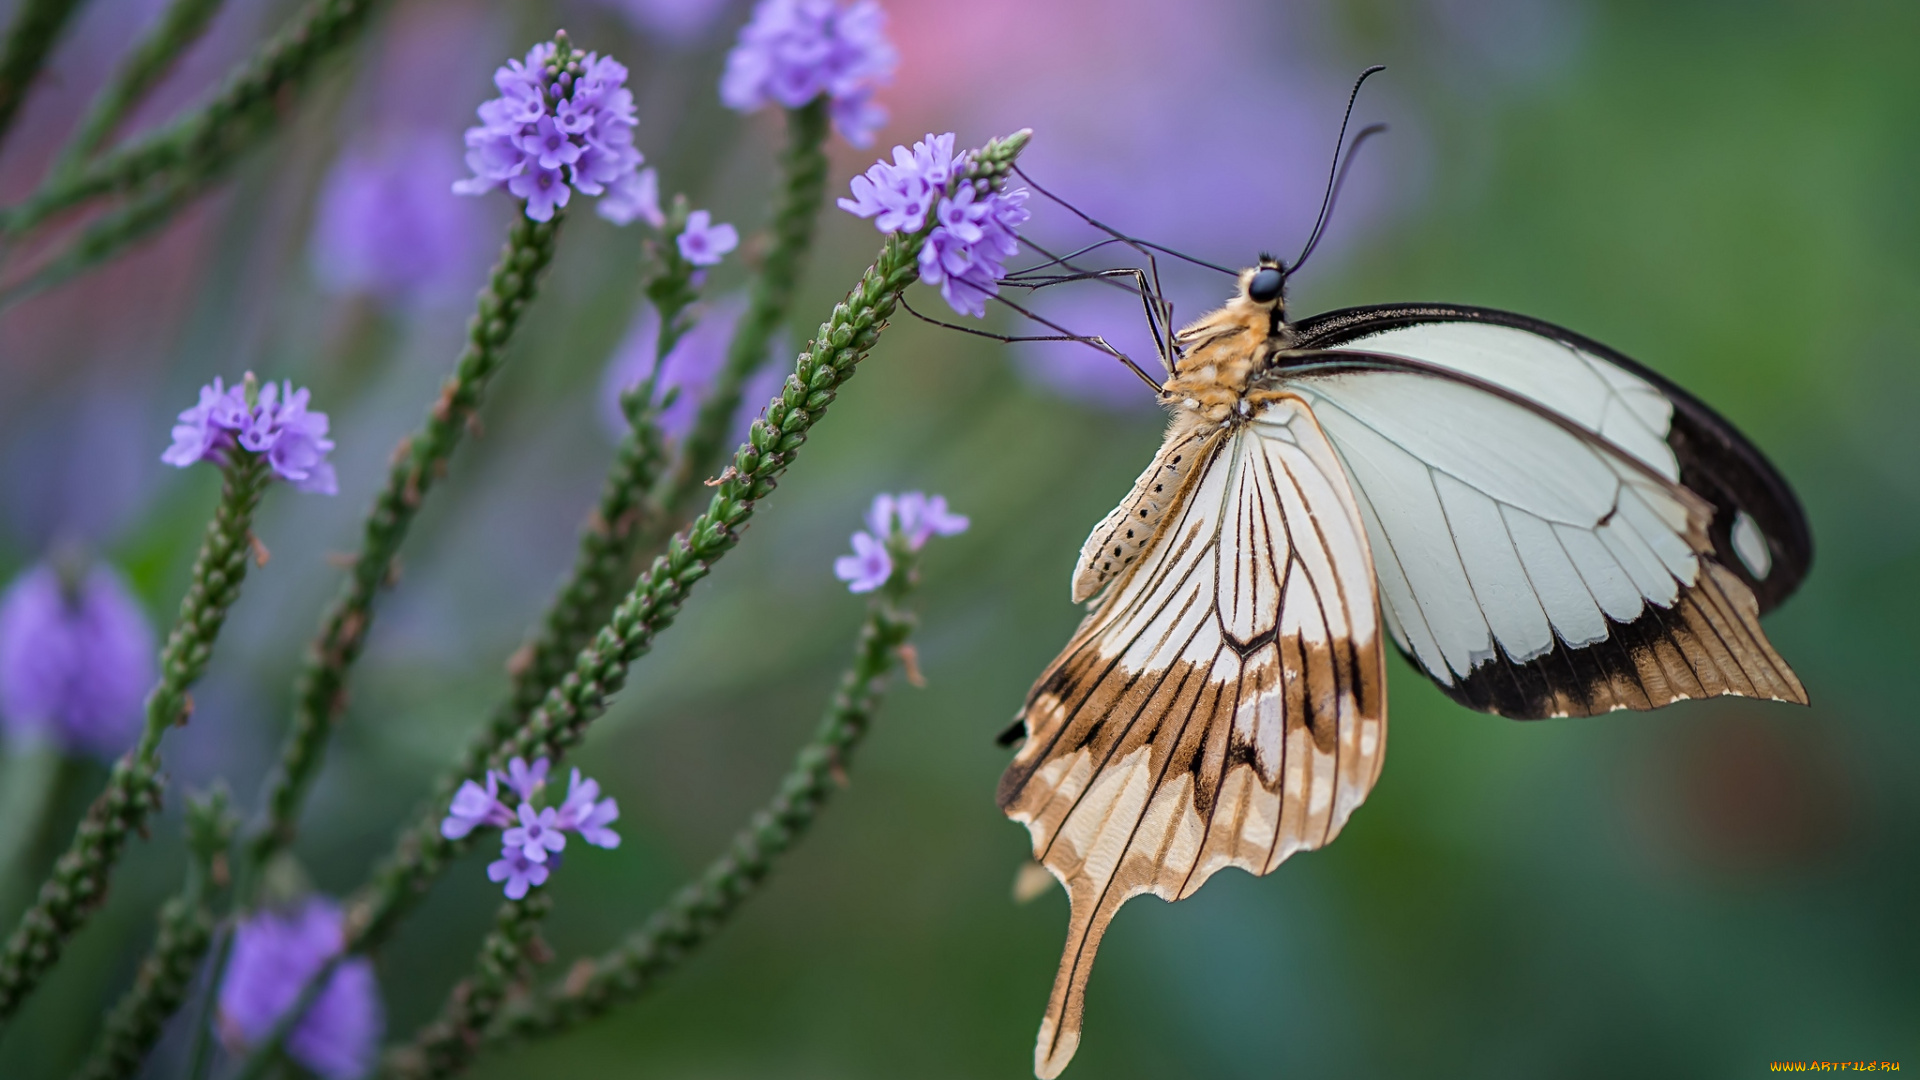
<point x="600" y="669"/>
<point x="181" y="26"/>
<point x="106" y="236"/>
<point x="446" y="1045"/>
<point x="186" y="929"/>
<point x="418" y="462"/>
<point x="796" y="209"/>
<point x="599" y="575"/>
<point x="29" y="40"/>
<point x="603" y="563"/>
<point x="79" y="880"/>
<point x="210" y="138"/>
<point x="702" y="908"/>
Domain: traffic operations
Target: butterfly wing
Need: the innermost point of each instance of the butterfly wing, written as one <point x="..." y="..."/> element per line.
<point x="1224" y="703"/>
<point x="1528" y="562"/>
<point x="1758" y="531"/>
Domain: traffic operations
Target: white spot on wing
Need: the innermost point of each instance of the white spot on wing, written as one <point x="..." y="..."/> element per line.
<point x="1751" y="545"/>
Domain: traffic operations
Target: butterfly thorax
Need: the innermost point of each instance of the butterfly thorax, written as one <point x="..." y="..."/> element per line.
<point x="1219" y="360"/>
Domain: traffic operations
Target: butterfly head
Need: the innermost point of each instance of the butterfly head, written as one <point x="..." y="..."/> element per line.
<point x="1266" y="284"/>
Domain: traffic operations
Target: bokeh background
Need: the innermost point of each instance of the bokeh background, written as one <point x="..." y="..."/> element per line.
<point x="1725" y="191"/>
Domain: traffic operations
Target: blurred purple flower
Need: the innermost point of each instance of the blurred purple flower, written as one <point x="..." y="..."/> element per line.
<point x="537" y="835"/>
<point x="519" y="872"/>
<point x="635" y="196"/>
<point x="867" y="568"/>
<point x="474" y="806"/>
<point x="690" y="368"/>
<point x="899" y="195"/>
<point x="550" y="133"/>
<point x="527" y="780"/>
<point x="922" y="517"/>
<point x="588" y="814"/>
<point x="205" y="432"/>
<point x="387" y="228"/>
<point x="277" y="425"/>
<point x="274" y="954"/>
<point x="76" y="659"/>
<point x="793" y="51"/>
<point x="703" y="243"/>
<point x="677" y="22"/>
<point x="914" y="516"/>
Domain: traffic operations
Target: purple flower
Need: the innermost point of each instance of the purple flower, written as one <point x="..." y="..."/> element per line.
<point x="968" y="271"/>
<point x="690" y="369"/>
<point x="793" y="51"/>
<point x="703" y="243"/>
<point x="474" y="806"/>
<point x="387" y="228"/>
<point x="635" y="196"/>
<point x="274" y="954"/>
<point x="588" y="814"/>
<point x="205" y="432"/>
<point x="519" y="872"/>
<point x="922" y="517"/>
<point x="294" y="440"/>
<point x="899" y="195"/>
<point x="867" y="568"/>
<point x="277" y="425"/>
<point x="530" y="847"/>
<point x="76" y="659"/>
<point x="527" y="780"/>
<point x="537" y="835"/>
<point x="552" y="131"/>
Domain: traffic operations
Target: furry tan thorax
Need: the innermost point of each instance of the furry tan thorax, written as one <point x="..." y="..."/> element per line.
<point x="1220" y="357"/>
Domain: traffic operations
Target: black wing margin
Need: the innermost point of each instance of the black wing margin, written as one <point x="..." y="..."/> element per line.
<point x="1716" y="462"/>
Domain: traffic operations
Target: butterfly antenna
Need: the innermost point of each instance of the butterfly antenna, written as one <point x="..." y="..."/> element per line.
<point x="1063" y="334"/>
<point x="1117" y="234"/>
<point x="1336" y="173"/>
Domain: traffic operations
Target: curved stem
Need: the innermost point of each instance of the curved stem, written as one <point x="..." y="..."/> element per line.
<point x="35" y="29"/>
<point x="79" y="880"/>
<point x="181" y="26"/>
<point x="796" y="210"/>
<point x="419" y="461"/>
<point x="210" y="138"/>
<point x="445" y="1046"/>
<point x="699" y="910"/>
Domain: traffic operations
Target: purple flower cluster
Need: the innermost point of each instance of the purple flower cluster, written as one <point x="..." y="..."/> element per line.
<point x="793" y="51"/>
<point x="274" y="954"/>
<point x="560" y="124"/>
<point x="274" y="422"/>
<point x="973" y="234"/>
<point x="903" y="522"/>
<point x="534" y="837"/>
<point x="76" y="659"/>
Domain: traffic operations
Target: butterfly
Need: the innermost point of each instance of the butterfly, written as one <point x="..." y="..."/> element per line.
<point x="1539" y="524"/>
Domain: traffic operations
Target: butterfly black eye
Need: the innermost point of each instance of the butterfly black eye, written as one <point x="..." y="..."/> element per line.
<point x="1265" y="286"/>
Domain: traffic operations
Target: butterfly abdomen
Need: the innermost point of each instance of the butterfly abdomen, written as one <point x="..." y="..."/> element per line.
<point x="1124" y="535"/>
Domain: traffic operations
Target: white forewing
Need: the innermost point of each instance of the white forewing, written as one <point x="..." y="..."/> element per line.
<point x="1491" y="523"/>
<point x="1602" y="397"/>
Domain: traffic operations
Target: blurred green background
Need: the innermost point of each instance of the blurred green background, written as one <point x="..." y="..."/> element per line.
<point x="1725" y="191"/>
